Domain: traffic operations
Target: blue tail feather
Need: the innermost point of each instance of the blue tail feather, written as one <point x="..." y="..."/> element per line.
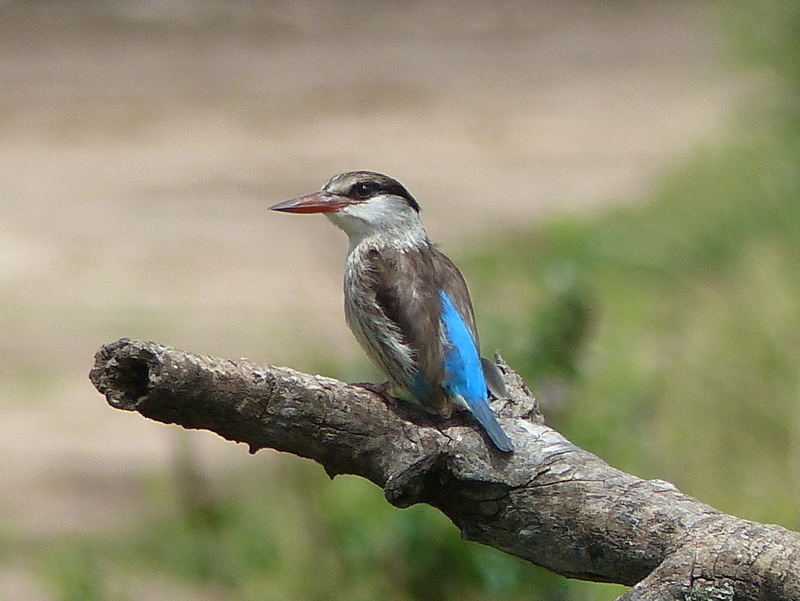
<point x="485" y="416"/>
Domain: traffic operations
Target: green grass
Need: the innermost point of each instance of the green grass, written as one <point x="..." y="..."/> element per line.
<point x="291" y="533"/>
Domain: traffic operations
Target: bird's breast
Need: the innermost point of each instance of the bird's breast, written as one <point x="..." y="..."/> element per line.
<point x="379" y="336"/>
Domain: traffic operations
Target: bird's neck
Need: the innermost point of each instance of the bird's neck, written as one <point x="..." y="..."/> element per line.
<point x="402" y="238"/>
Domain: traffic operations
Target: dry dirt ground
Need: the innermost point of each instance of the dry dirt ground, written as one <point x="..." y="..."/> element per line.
<point x="141" y="143"/>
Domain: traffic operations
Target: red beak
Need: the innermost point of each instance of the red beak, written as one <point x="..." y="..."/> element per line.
<point x="319" y="202"/>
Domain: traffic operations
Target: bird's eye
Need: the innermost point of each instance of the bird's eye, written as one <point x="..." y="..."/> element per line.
<point x="363" y="189"/>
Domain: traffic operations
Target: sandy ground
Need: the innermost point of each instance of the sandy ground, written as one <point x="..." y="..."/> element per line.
<point x="140" y="144"/>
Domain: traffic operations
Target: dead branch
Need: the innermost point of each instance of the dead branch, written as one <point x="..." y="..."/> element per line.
<point x="549" y="502"/>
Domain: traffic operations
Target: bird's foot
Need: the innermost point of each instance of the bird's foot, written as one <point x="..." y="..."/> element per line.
<point x="383" y="389"/>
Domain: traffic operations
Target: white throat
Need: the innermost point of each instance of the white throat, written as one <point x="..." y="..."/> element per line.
<point x="382" y="221"/>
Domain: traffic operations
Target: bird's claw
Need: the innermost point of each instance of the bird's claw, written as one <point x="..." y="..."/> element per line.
<point x="383" y="389"/>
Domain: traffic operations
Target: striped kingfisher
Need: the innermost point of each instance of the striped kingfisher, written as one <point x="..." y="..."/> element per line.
<point x="406" y="303"/>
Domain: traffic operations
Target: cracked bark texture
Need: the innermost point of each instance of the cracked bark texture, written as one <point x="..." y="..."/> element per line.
<point x="549" y="502"/>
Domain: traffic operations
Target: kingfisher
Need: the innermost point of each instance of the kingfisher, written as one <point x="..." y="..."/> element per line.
<point x="406" y="303"/>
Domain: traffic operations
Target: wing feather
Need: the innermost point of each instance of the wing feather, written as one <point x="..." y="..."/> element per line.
<point x="450" y="280"/>
<point x="407" y="295"/>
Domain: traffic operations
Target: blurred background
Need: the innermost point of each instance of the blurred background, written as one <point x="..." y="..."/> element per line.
<point x="618" y="181"/>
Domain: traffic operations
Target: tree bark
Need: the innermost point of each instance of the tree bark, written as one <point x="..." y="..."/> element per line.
<point x="549" y="502"/>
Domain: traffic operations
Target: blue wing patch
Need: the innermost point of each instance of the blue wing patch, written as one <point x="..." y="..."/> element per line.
<point x="462" y="364"/>
<point x="464" y="379"/>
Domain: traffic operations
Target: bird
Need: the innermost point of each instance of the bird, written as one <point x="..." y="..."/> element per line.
<point x="406" y="303"/>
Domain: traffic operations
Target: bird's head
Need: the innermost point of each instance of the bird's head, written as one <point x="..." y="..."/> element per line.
<point x="362" y="203"/>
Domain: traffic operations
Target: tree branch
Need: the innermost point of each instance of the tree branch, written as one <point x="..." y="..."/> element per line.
<point x="549" y="502"/>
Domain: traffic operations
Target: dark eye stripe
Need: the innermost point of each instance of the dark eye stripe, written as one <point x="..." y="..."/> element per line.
<point x="366" y="184"/>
